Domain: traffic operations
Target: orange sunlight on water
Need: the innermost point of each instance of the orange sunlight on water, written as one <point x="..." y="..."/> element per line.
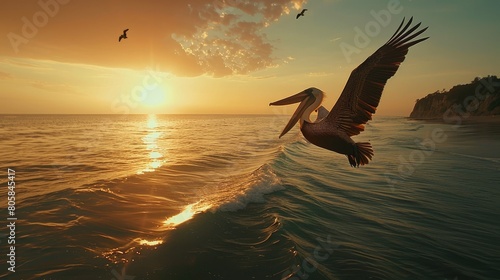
<point x="188" y="213"/>
<point x="151" y="141"/>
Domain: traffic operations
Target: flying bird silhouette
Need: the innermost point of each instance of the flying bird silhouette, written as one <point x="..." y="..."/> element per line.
<point x="123" y="36"/>
<point x="358" y="101"/>
<point x="300" y="14"/>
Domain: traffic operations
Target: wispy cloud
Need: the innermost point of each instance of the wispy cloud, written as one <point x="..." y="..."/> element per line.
<point x="51" y="87"/>
<point x="320" y="74"/>
<point x="23" y="63"/>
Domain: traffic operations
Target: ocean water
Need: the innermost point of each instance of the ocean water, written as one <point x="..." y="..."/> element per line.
<point x="221" y="197"/>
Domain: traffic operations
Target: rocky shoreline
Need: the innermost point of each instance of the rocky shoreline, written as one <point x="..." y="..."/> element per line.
<point x="479" y="98"/>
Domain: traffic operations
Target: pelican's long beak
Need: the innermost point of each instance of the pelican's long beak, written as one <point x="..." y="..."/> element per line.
<point x="305" y="98"/>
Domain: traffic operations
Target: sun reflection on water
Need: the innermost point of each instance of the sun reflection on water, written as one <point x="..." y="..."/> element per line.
<point x="150" y="242"/>
<point x="151" y="142"/>
<point x="187" y="214"/>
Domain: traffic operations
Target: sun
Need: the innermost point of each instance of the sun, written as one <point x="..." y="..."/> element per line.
<point x="155" y="97"/>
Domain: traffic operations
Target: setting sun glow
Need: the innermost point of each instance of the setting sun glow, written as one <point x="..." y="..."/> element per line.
<point x="155" y="97"/>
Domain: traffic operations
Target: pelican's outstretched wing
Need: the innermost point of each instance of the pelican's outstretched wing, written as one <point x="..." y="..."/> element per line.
<point x="361" y="94"/>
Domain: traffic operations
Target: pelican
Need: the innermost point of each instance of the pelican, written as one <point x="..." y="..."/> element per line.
<point x="300" y="14"/>
<point x="358" y="101"/>
<point x="123" y="36"/>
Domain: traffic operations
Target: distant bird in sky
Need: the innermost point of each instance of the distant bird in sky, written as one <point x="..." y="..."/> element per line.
<point x="300" y="14"/>
<point x="358" y="101"/>
<point x="123" y="36"/>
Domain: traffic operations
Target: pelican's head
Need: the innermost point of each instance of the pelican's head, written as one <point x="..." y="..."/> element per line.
<point x="310" y="99"/>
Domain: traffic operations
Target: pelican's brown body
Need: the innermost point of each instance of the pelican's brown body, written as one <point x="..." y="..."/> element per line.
<point x="330" y="139"/>
<point x="322" y="135"/>
<point x="357" y="102"/>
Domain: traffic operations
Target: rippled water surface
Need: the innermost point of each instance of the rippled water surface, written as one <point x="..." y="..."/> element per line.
<point x="221" y="197"/>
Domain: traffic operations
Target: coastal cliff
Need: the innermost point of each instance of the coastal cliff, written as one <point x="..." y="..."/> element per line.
<point x="481" y="97"/>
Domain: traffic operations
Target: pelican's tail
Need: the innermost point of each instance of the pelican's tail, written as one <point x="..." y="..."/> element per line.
<point x="363" y="153"/>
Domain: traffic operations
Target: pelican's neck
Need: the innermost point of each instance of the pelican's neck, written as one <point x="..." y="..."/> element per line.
<point x="306" y="116"/>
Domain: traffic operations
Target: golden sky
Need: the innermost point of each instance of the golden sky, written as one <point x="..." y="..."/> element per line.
<point x="228" y="56"/>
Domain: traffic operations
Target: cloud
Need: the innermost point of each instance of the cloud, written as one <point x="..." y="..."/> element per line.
<point x="230" y="38"/>
<point x="23" y="64"/>
<point x="320" y="74"/>
<point x="53" y="88"/>
<point x="215" y="37"/>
